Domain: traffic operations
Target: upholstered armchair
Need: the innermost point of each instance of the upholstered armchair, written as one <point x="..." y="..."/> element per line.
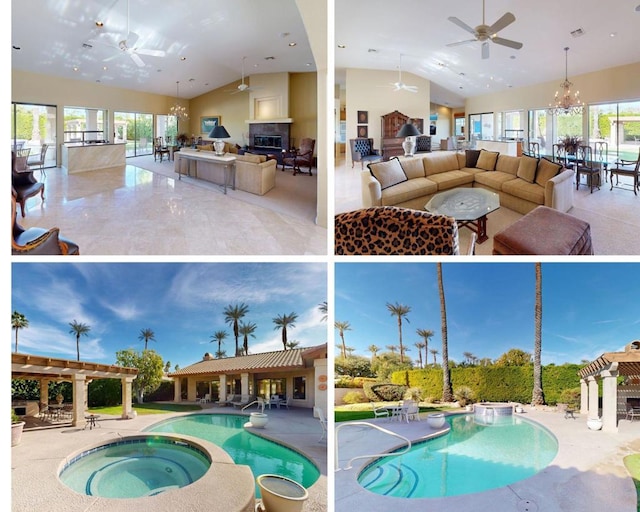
<point x="25" y="184"/>
<point x="362" y="151"/>
<point x="390" y="230"/>
<point x="302" y="157"/>
<point x="38" y="241"/>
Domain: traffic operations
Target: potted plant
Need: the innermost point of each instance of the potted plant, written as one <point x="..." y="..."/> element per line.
<point x="17" y="426"/>
<point x="59" y="398"/>
<point x="465" y="397"/>
<point x="571" y="143"/>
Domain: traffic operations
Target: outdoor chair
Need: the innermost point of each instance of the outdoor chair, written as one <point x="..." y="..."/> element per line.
<point x="628" y="168"/>
<point x="319" y="413"/>
<point x="633" y="413"/>
<point x="413" y="410"/>
<point x="380" y="412"/>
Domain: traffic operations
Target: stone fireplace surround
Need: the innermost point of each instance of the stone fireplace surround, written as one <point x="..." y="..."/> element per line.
<point x="269" y="130"/>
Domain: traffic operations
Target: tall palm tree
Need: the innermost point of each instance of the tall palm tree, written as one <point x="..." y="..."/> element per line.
<point x="247" y="330"/>
<point x="374" y="351"/>
<point x="146" y="335"/>
<point x="469" y="357"/>
<point x="447" y="392"/>
<point x="420" y="345"/>
<point x="219" y="336"/>
<point x="342" y="326"/>
<point x="323" y="307"/>
<point x="18" y="321"/>
<point x="292" y="344"/>
<point x="426" y="335"/>
<point x="401" y="311"/>
<point x="392" y="348"/>
<point x="538" y="394"/>
<point x="232" y="315"/>
<point x="282" y="322"/>
<point x="79" y="329"/>
<point x="434" y="353"/>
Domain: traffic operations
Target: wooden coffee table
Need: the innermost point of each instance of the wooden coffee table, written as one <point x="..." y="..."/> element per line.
<point x="469" y="206"/>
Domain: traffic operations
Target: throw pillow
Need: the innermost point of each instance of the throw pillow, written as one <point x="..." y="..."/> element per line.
<point x="527" y="168"/>
<point x="546" y="170"/>
<point x="388" y="173"/>
<point x="471" y="156"/>
<point x="487" y="160"/>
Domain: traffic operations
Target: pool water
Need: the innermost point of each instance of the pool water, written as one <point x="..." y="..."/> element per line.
<point x="471" y="458"/>
<point x="135" y="467"/>
<point x="261" y="455"/>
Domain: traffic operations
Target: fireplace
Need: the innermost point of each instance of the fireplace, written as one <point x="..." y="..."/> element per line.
<point x="271" y="137"/>
<point x="267" y="142"/>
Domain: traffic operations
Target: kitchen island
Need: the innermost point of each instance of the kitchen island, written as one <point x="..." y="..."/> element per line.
<point x="80" y="157"/>
<point x="504" y="147"/>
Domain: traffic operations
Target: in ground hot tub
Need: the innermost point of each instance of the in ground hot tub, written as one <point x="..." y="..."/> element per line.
<point x="489" y="413"/>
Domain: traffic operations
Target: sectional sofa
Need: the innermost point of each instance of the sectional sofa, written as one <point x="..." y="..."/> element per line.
<point x="522" y="183"/>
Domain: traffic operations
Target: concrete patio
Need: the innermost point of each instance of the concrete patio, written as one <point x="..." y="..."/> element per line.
<point x="35" y="463"/>
<point x="587" y="473"/>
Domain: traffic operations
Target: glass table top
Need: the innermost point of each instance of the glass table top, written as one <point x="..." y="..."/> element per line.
<point x="464" y="203"/>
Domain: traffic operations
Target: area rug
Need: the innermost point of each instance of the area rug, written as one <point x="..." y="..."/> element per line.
<point x="293" y="195"/>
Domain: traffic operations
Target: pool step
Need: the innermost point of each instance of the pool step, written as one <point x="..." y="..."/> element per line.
<point x="398" y="480"/>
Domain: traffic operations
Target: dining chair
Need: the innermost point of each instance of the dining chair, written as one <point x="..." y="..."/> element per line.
<point x="24" y="183"/>
<point x="601" y="155"/>
<point x="559" y="154"/>
<point x="39" y="162"/>
<point x="159" y="148"/>
<point x="534" y="149"/>
<point x="585" y="165"/>
<point x="630" y="168"/>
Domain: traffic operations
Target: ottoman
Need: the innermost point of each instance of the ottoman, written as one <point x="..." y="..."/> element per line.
<point x="545" y="231"/>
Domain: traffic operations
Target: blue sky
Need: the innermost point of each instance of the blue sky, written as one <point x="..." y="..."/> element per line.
<point x="588" y="308"/>
<point x="182" y="303"/>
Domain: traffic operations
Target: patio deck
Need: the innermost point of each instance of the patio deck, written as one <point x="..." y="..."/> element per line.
<point x="36" y="460"/>
<point x="587" y="474"/>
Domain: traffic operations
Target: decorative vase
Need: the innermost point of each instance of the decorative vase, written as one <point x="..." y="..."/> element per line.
<point x="436" y="420"/>
<point x="594" y="423"/>
<point x="218" y="145"/>
<point x="16" y="432"/>
<point x="258" y="419"/>
<point x="409" y="146"/>
<point x="280" y="494"/>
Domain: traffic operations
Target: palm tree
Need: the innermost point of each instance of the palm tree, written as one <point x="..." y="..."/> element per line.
<point x="392" y="348"/>
<point x="282" y="322"/>
<point x="434" y="353"/>
<point x="146" y="335"/>
<point x="426" y="335"/>
<point x="323" y="309"/>
<point x="232" y="314"/>
<point x="18" y="321"/>
<point x="469" y="357"/>
<point x="247" y="330"/>
<point x="292" y="344"/>
<point x="538" y="394"/>
<point x="79" y="329"/>
<point x="401" y="311"/>
<point x="342" y="326"/>
<point x="374" y="351"/>
<point x="447" y="392"/>
<point x="219" y="336"/>
<point x="420" y="345"/>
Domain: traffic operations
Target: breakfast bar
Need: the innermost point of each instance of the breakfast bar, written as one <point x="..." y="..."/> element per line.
<point x="88" y="156"/>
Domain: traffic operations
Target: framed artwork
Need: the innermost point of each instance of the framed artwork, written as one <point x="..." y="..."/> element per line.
<point x="208" y="123"/>
<point x="363" y="116"/>
<point x="363" y="131"/>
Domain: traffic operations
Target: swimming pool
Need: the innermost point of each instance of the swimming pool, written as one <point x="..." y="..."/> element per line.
<point x="135" y="466"/>
<point x="261" y="455"/>
<point x="471" y="458"/>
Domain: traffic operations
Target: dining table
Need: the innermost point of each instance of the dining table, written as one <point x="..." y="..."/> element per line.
<point x="397" y="412"/>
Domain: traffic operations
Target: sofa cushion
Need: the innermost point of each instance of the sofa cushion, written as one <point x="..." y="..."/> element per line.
<point x="452" y="179"/>
<point x="493" y="179"/>
<point x="388" y="173"/>
<point x="413" y="167"/>
<point x="471" y="157"/>
<point x="546" y="170"/>
<point x="435" y="163"/>
<point x="408" y="190"/>
<point x="527" y="168"/>
<point x="487" y="160"/>
<point x="524" y="190"/>
<point x="508" y="164"/>
<point x="205" y="147"/>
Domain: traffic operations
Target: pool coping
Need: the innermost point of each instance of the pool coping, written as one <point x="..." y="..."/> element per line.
<point x="586" y="474"/>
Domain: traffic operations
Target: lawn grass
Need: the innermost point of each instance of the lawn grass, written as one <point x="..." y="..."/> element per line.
<point x="357" y="412"/>
<point x="632" y="463"/>
<point x="147" y="408"/>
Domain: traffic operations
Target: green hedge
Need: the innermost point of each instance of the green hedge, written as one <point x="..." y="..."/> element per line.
<point x="495" y="383"/>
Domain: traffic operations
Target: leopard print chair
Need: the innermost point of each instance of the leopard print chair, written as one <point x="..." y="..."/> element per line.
<point x="390" y="230"/>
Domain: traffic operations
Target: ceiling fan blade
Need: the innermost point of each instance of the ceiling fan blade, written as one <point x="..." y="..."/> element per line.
<point x="136" y="59"/>
<point x="485" y="50"/>
<point x="507" y="42"/>
<point x="462" y="42"/>
<point x="410" y="88"/>
<point x="506" y="20"/>
<point x="151" y="53"/>
<point x="461" y="24"/>
<point x="132" y="38"/>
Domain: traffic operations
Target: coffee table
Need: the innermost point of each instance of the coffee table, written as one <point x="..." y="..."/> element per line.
<point x="468" y="206"/>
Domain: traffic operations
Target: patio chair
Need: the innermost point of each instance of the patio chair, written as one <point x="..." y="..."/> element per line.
<point x="633" y="413"/>
<point x="286" y="402"/>
<point x="205" y="399"/>
<point x="380" y="412"/>
<point x="319" y="413"/>
<point x="413" y="410"/>
<point x="274" y="400"/>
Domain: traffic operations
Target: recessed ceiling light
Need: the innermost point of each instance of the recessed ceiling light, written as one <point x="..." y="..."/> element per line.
<point x="99" y="24"/>
<point x="292" y="44"/>
<point x="342" y="46"/>
<point x="75" y="68"/>
<point x="104" y="68"/>
<point x="613" y="34"/>
<point x="183" y="58"/>
<point x="308" y="64"/>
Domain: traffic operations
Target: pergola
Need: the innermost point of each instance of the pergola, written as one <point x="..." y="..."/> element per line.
<point x="615" y="398"/>
<point x="79" y="373"/>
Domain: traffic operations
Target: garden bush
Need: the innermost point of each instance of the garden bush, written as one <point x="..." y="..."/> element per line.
<point x="353" y="397"/>
<point x="384" y="392"/>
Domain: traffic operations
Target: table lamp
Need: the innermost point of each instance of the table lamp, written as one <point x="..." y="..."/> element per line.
<point x="408" y="131"/>
<point x="219" y="132"/>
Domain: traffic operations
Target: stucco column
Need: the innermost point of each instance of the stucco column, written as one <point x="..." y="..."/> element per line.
<point x="321" y="384"/>
<point x="223" y="388"/>
<point x="610" y="399"/>
<point x="593" y="397"/>
<point x="244" y="383"/>
<point x="79" y="392"/>
<point x="127" y="409"/>
<point x="44" y="391"/>
<point x="584" y="397"/>
<point x="177" y="389"/>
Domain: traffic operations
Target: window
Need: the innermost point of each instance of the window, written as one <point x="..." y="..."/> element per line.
<point x="85" y="124"/>
<point x="32" y="126"/>
<point x="513" y="125"/>
<point x="136" y="131"/>
<point x="167" y="127"/>
<point x="268" y="387"/>
<point x="617" y="124"/>
<point x="481" y="126"/>
<point x="459" y="125"/>
<point x="300" y="388"/>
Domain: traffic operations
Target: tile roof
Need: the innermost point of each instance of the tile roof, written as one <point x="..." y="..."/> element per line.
<point x="281" y="360"/>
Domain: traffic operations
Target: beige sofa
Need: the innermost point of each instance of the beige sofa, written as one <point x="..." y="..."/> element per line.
<point x="255" y="174"/>
<point x="522" y="183"/>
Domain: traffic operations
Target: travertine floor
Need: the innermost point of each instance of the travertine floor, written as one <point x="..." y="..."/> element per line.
<point x="132" y="211"/>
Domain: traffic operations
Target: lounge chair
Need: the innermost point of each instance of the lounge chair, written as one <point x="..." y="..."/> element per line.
<point x="242" y="401"/>
<point x="319" y="413"/>
<point x="633" y="413"/>
<point x="380" y="412"/>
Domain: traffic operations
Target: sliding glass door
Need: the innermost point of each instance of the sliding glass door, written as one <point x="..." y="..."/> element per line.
<point x="136" y="131"/>
<point x="32" y="126"/>
<point x="617" y="124"/>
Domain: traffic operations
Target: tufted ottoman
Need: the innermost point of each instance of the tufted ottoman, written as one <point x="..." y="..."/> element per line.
<point x="545" y="231"/>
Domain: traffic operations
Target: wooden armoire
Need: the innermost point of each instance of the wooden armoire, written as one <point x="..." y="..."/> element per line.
<point x="391" y="123"/>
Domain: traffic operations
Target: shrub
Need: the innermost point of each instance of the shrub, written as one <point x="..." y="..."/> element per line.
<point x="571" y="397"/>
<point x="464" y="395"/>
<point x="384" y="392"/>
<point x="414" y="393"/>
<point x="353" y="397"/>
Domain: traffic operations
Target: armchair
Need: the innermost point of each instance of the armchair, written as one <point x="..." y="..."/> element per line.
<point x="303" y="156"/>
<point x="362" y="151"/>
<point x="24" y="183"/>
<point x="629" y="168"/>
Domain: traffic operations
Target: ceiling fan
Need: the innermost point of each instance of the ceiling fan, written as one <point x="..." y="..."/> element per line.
<point x="485" y="33"/>
<point x="127" y="46"/>
<point x="242" y="87"/>
<point x="400" y="85"/>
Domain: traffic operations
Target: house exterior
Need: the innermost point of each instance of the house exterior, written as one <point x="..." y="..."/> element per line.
<point x="298" y="374"/>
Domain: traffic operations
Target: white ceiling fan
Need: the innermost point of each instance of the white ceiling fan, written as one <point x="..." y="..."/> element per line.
<point x="485" y="33"/>
<point x="400" y="85"/>
<point x="242" y="87"/>
<point x="127" y="46"/>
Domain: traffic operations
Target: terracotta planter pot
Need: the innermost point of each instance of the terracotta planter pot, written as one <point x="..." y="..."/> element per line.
<point x="16" y="432"/>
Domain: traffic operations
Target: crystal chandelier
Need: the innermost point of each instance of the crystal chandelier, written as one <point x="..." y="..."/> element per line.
<point x="178" y="110"/>
<point x="565" y="102"/>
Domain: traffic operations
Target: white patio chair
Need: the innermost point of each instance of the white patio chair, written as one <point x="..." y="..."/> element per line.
<point x="319" y="413"/>
<point x="380" y="412"/>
